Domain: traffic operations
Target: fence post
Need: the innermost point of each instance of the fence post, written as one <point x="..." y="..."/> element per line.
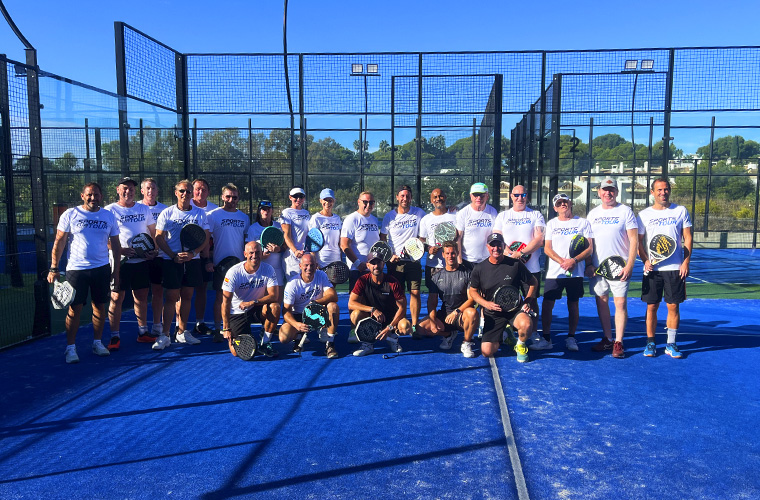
<point x="180" y="71"/>
<point x="709" y="179"/>
<point x="666" y="122"/>
<point x="497" y="143"/>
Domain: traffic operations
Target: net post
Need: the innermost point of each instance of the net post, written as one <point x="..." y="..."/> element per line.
<point x="183" y="117"/>
<point x="497" y="141"/>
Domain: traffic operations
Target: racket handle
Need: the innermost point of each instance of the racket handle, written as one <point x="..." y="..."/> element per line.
<point x="303" y="340"/>
<point x="569" y="274"/>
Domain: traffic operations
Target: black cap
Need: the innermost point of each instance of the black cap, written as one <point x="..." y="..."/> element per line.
<point x="495" y="238"/>
<point x="374" y="255"/>
<point x="127" y="180"/>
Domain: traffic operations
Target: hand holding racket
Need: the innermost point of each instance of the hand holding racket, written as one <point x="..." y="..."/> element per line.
<point x="578" y="245"/>
<point x="413" y="250"/>
<point x="191" y="237"/>
<point x="369" y="330"/>
<point x="272" y="239"/>
<point x="315" y="240"/>
<point x="63" y="294"/>
<point x="661" y="248"/>
<point x="443" y="232"/>
<point x="143" y="246"/>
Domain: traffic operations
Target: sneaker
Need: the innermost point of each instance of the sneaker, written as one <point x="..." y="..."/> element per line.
<point x="393" y="343"/>
<point x="323" y="335"/>
<point x="447" y="342"/>
<point x="508" y="337"/>
<point x="148" y="338"/>
<point x="162" y="343"/>
<point x="571" y="344"/>
<point x="602" y="345"/>
<point x="330" y="350"/>
<point x="297" y="344"/>
<point x="467" y="349"/>
<point x="174" y="334"/>
<point x="366" y="348"/>
<point x="268" y="350"/>
<point x="522" y="353"/>
<point x="202" y="329"/>
<point x="187" y="338"/>
<point x="672" y="351"/>
<point x="99" y="349"/>
<point x="541" y="345"/>
<point x="218" y="337"/>
<point x="114" y="343"/>
<point x="415" y="335"/>
<point x="71" y="355"/>
<point x="618" y="351"/>
<point x="650" y="350"/>
<point x="352" y="338"/>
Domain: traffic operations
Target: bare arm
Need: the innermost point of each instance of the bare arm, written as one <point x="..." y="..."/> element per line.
<point x="59" y="244"/>
<point x="688" y="246"/>
<point x="329" y="295"/>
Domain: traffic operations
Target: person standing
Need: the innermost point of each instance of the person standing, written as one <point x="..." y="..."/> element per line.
<point x="149" y="190"/>
<point x="474" y="225"/>
<point x="330" y="225"/>
<point x="669" y="276"/>
<point x="271" y="254"/>
<point x="201" y="191"/>
<point x="360" y="231"/>
<point x="295" y="226"/>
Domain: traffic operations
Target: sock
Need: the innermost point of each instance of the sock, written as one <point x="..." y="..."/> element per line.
<point x="71" y="347"/>
<point x="142" y="329"/>
<point x="95" y="342"/>
<point x="331" y="337"/>
<point x="520" y="342"/>
<point x="157" y="328"/>
<point x="267" y="336"/>
<point x="114" y="333"/>
<point x="672" y="335"/>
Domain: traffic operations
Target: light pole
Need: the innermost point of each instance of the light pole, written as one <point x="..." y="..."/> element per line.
<point x="357" y="69"/>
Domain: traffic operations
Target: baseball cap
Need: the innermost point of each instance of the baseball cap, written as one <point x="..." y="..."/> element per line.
<point x="478" y="187"/>
<point x="297" y="190"/>
<point x="608" y="182"/>
<point x="127" y="180"/>
<point x="374" y="255"/>
<point x="327" y="193"/>
<point x="560" y="196"/>
<point x="495" y="238"/>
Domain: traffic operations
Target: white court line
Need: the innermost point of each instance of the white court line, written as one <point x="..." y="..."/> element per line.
<point x="514" y="457"/>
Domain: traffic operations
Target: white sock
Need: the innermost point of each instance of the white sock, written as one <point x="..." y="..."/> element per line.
<point x="331" y="337"/>
<point x="157" y="327"/>
<point x="672" y="332"/>
<point x="114" y="333"/>
<point x="142" y="329"/>
<point x="267" y="336"/>
<point x="520" y="342"/>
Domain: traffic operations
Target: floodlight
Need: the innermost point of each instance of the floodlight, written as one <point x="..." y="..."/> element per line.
<point x="631" y="64"/>
<point x="357" y="68"/>
<point x="647" y="64"/>
<point x="372" y="68"/>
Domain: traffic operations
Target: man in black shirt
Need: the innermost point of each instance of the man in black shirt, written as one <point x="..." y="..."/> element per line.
<point x="496" y="271"/>
<point x="458" y="309"/>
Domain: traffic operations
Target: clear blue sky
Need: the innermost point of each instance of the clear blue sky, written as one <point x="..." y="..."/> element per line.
<point x="75" y="38"/>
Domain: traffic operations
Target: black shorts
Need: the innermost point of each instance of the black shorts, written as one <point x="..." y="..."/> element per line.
<point x="526" y="286"/>
<point x="493" y="326"/>
<point x="218" y="279"/>
<point x="96" y="281"/>
<point x="186" y="275"/>
<point x="134" y="276"/>
<point x="572" y="286"/>
<point x="456" y="326"/>
<point x="408" y="273"/>
<point x="155" y="271"/>
<point x="429" y="273"/>
<point x="241" y="323"/>
<point x="656" y="282"/>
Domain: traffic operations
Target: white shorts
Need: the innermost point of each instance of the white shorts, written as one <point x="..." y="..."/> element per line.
<point x="600" y="286"/>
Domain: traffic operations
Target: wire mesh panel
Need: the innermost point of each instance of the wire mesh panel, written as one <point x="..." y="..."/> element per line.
<point x="150" y="69"/>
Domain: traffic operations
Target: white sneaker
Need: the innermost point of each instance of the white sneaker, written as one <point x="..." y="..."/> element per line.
<point x="187" y="338"/>
<point x="393" y="343"/>
<point x="467" y="349"/>
<point x="352" y="338"/>
<point x="367" y="348"/>
<point x="71" y="355"/>
<point x="99" y="349"/>
<point x="541" y="345"/>
<point x="447" y="342"/>
<point x="571" y="344"/>
<point x="323" y="335"/>
<point x="162" y="343"/>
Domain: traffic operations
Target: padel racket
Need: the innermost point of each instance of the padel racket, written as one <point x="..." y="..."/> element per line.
<point x="508" y="298"/>
<point x="226" y="264"/>
<point x="383" y="250"/>
<point x="315" y="316"/>
<point x="443" y="232"/>
<point x="63" y="294"/>
<point x="368" y="329"/>
<point x="315" y="240"/>
<point x="337" y="272"/>
<point x="661" y="247"/>
<point x="245" y="346"/>
<point x="611" y="268"/>
<point x="519" y="246"/>
<point x="413" y="249"/>
<point x="191" y="237"/>
<point x="142" y="243"/>
<point x="272" y="235"/>
<point x="578" y="244"/>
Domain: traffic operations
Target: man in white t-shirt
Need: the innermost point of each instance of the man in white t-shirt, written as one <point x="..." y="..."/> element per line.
<point x="439" y="215"/>
<point x="474" y="225"/>
<point x="295" y="226"/>
<point x="133" y="219"/>
<point x="201" y="192"/>
<point x="88" y="230"/>
<point x="559" y="232"/>
<point x="250" y="296"/>
<point x="398" y="226"/>
<point x="330" y="225"/>
<point x="669" y="219"/>
<point x="615" y="233"/>
<point x="149" y="190"/>
<point x="227" y="226"/>
<point x="311" y="285"/>
<point x="360" y="231"/>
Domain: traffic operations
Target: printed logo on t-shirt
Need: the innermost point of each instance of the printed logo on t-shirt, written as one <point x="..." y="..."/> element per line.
<point x="232" y="223"/>
<point x="91" y="224"/>
<point x="330" y="226"/>
<point x="480" y="223"/>
<point x="126" y="218"/>
<point x="603" y="221"/>
<point x="367" y="226"/>
<point x="662" y="221"/>
<point x="403" y="224"/>
<point x="253" y="283"/>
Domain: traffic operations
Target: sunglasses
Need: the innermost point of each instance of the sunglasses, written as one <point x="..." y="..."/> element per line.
<point x="519" y="195"/>
<point x="368" y="202"/>
<point x="561" y="202"/>
<point x="479" y="195"/>
<point x="496" y="244"/>
<point x="183" y="191"/>
<point x="298" y="196"/>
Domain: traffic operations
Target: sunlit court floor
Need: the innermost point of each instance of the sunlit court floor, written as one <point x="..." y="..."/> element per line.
<point x="195" y="422"/>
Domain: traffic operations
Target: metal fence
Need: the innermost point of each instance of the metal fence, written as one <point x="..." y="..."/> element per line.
<point x="552" y="120"/>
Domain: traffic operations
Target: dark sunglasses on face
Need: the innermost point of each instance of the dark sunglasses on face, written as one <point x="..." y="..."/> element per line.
<point x="496" y="244"/>
<point x="298" y="196"/>
<point x="368" y="202"/>
<point x="182" y="191"/>
<point x="519" y="195"/>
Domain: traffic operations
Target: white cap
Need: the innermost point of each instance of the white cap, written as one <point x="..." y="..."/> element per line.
<point x="296" y="191"/>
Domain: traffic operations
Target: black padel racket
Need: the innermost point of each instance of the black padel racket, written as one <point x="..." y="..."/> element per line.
<point x="245" y="346"/>
<point x="315" y="240"/>
<point x="443" y="232"/>
<point x="368" y="329"/>
<point x="315" y="316"/>
<point x="508" y="298"/>
<point x="226" y="264"/>
<point x="382" y="249"/>
<point x="191" y="237"/>
<point x="142" y="243"/>
<point x="578" y="244"/>
<point x="337" y="272"/>
<point x="611" y="268"/>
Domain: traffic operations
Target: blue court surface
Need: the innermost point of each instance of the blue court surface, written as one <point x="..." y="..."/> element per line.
<point x="194" y="422"/>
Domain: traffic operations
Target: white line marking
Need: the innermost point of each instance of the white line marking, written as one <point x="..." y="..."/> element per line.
<point x="514" y="457"/>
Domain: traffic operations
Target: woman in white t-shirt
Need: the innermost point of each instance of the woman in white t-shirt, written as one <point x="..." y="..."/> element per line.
<point x="272" y="254"/>
<point x="330" y="225"/>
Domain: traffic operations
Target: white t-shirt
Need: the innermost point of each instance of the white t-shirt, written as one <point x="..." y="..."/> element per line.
<point x="475" y="227"/>
<point x="399" y="228"/>
<point x="209" y="206"/>
<point x="330" y="227"/>
<point x="427" y="232"/>
<point x="155" y="210"/>
<point x="88" y="237"/>
<point x="228" y="230"/>
<point x="670" y="222"/>
<point x="520" y="226"/>
<point x="560" y="233"/>
<point x="610" y="228"/>
<point x="245" y="286"/>
<point x="132" y="221"/>
<point x="172" y="220"/>
<point x="363" y="233"/>
<point x="299" y="226"/>
<point x="299" y="293"/>
<point x="254" y="234"/>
